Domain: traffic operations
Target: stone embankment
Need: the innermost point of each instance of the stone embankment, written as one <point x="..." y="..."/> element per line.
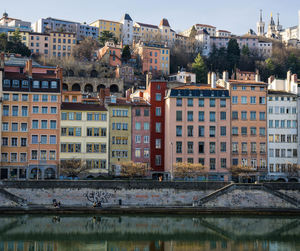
<point x="148" y="196"/>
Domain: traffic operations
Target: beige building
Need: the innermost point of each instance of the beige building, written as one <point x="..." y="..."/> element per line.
<point x="84" y="135"/>
<point x="62" y="44"/>
<point x="39" y="43"/>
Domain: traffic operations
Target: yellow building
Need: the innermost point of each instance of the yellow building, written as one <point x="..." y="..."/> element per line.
<point x="24" y="37"/>
<point x="119" y="131"/>
<point x="62" y="44"/>
<point x="84" y="135"/>
<point x="107" y="25"/>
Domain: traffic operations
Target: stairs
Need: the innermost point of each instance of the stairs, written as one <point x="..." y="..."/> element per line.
<point x="18" y="200"/>
<point x="282" y="196"/>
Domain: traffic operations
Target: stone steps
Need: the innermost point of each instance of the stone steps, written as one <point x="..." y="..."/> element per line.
<point x="20" y="201"/>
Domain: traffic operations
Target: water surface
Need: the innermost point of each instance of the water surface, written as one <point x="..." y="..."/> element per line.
<point x="148" y="233"/>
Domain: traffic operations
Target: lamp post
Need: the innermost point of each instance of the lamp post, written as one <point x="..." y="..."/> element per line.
<point x="171" y="161"/>
<point x="39" y="159"/>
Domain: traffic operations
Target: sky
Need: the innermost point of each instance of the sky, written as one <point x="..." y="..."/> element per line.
<point x="233" y="15"/>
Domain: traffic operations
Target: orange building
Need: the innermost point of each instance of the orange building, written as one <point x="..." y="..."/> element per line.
<point x="30" y="119"/>
<point x="248" y="123"/>
<point x="112" y="52"/>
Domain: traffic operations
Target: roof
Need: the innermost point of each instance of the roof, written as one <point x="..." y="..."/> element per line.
<point x="120" y="101"/>
<point x="250" y="82"/>
<point x="198" y="87"/>
<point x="204" y="31"/>
<point x="82" y="107"/>
<point x="61" y="20"/>
<point x="224" y="31"/>
<point x="148" y="25"/>
<point x="35" y="76"/>
<point x="127" y="17"/>
<point x="164" y="22"/>
<point x="202" y="90"/>
<point x="21" y="61"/>
<point x="205" y="25"/>
<point x="280" y="92"/>
<point x="106" y="21"/>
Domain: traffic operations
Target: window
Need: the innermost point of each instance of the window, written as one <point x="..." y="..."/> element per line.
<point x="222" y="115"/>
<point x="178" y="131"/>
<point x="178" y="101"/>
<point x="157" y="127"/>
<point x="222" y="102"/>
<point x="190" y="115"/>
<point x="23" y="127"/>
<point x="158" y="160"/>
<point x="6" y="96"/>
<point x="244" y="115"/>
<point x="13" y="157"/>
<point x="158" y="111"/>
<point x="223" y="130"/>
<point x="252" y="100"/>
<point x="234" y="99"/>
<point x="201" y="131"/>
<point x="45" y="110"/>
<point x="253" y="147"/>
<point x="190" y="147"/>
<point x="244" y="131"/>
<point x="262" y="131"/>
<point x="235" y="115"/>
<point x="158" y="97"/>
<point x="35" y="109"/>
<point x="137" y="112"/>
<point x="14" y="127"/>
<point x="23" y="157"/>
<point x="45" y="98"/>
<point x="234" y="130"/>
<point x="253" y="115"/>
<point x="190" y="101"/>
<point x="137" y="125"/>
<point x="262" y="116"/>
<point x="223" y="162"/>
<point x="212" y="102"/>
<point x="35" y="124"/>
<point x="235" y="147"/>
<point x="4" y="141"/>
<point x="15" y="97"/>
<point x="253" y="131"/>
<point x="178" y="115"/>
<point x="36" y="84"/>
<point x="201" y="102"/>
<point x="14" y="141"/>
<point x="52" y="139"/>
<point x="15" y="111"/>
<point x="244" y="99"/>
<point x="223" y="146"/>
<point x="262" y="100"/>
<point x="212" y="131"/>
<point x="146" y="113"/>
<point x="5" y="126"/>
<point x="158" y="143"/>
<point x="212" y="116"/>
<point x="44" y="124"/>
<point x="53" y="98"/>
<point x="190" y="131"/>
<point x="212" y="163"/>
<point x="212" y="147"/>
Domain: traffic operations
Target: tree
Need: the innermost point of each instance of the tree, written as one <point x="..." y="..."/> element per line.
<point x="126" y="54"/>
<point x="106" y="36"/>
<point x="193" y="32"/>
<point x="3" y="42"/>
<point x="200" y="69"/>
<point x="242" y="171"/>
<point x="73" y="167"/>
<point x="132" y="169"/>
<point x="15" y="45"/>
<point x="233" y="54"/>
<point x="245" y="50"/>
<point x="16" y="37"/>
<point x="188" y="170"/>
<point x="86" y="49"/>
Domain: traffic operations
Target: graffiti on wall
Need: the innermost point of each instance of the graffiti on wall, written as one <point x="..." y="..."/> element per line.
<point x="97" y="196"/>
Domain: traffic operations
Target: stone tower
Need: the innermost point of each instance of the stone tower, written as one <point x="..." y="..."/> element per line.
<point x="271" y="28"/>
<point x="278" y="26"/>
<point x="127" y="30"/>
<point x="260" y="26"/>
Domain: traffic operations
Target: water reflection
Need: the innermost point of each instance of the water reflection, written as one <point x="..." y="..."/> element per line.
<point x="145" y="233"/>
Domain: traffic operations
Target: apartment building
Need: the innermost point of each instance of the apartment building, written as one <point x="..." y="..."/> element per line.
<point x="30" y="120"/>
<point x="113" y="52"/>
<point x="39" y="44"/>
<point x="62" y="44"/>
<point x="282" y="134"/>
<point x="248" y="123"/>
<point x="84" y="135"/>
<point x="198" y="122"/>
<point x="108" y="25"/>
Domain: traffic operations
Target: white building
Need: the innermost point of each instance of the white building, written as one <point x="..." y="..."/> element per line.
<point x="127" y="29"/>
<point x="203" y="38"/>
<point x="282" y="134"/>
<point x="183" y="76"/>
<point x="53" y="24"/>
<point x="10" y="24"/>
<point x="199" y="27"/>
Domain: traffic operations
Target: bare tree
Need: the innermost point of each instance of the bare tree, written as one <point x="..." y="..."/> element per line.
<point x="73" y="167"/>
<point x="243" y="171"/>
<point x="188" y="170"/>
<point x="133" y="169"/>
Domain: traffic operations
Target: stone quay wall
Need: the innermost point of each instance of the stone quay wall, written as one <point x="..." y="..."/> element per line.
<point x="147" y="194"/>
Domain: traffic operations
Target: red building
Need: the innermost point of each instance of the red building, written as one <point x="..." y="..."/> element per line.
<point x="155" y="95"/>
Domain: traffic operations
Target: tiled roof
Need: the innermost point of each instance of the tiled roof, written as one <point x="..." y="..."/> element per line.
<point x="206" y="25"/>
<point x="197" y="87"/>
<point x="148" y="25"/>
<point x="280" y="92"/>
<point x="250" y="82"/>
<point x="164" y="22"/>
<point x="224" y="31"/>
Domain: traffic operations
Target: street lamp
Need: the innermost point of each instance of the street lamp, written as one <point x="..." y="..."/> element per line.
<point x="171" y="161"/>
<point x="38" y="159"/>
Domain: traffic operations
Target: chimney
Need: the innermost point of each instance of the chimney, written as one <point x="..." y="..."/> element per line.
<point x="209" y="78"/>
<point x="29" y="68"/>
<point x="102" y="95"/>
<point x="148" y="79"/>
<point x="128" y="92"/>
<point x="294" y="78"/>
<point x="271" y="79"/>
<point x="213" y="80"/>
<point x="141" y="94"/>
<point x="225" y="76"/>
<point x="288" y="81"/>
<point x="257" y="76"/>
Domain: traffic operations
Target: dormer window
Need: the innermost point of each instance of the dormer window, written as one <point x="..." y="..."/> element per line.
<point x="53" y="84"/>
<point x="6" y="83"/>
<point x="45" y="85"/>
<point x="36" y="84"/>
<point x="16" y="83"/>
<point x="24" y="83"/>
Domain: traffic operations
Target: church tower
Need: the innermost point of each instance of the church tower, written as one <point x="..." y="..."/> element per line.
<point x="271" y="28"/>
<point x="260" y="26"/>
<point x="278" y="26"/>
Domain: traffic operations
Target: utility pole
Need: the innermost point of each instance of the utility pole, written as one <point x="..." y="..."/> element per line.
<point x="171" y="161"/>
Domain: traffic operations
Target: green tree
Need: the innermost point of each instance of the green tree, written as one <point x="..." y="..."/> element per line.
<point x="126" y="54"/>
<point x="193" y="32"/>
<point x="245" y="50"/>
<point x="16" y="37"/>
<point x="106" y="36"/>
<point x="200" y="69"/>
<point x="3" y="42"/>
<point x="233" y="54"/>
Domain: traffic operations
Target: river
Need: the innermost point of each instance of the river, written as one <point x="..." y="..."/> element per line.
<point x="148" y="233"/>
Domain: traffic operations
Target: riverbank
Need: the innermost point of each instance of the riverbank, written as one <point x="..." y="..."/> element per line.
<point x="135" y="197"/>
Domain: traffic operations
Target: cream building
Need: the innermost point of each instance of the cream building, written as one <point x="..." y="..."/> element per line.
<point x="84" y="135"/>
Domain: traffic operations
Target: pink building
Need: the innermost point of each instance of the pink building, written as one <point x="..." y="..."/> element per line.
<point x="39" y="43"/>
<point x="198" y="122"/>
<point x="113" y="52"/>
<point x="140" y="114"/>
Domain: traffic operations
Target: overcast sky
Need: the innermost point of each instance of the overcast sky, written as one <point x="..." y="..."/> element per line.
<point x="233" y="15"/>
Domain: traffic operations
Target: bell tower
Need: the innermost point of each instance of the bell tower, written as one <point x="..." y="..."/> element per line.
<point x="260" y="26"/>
